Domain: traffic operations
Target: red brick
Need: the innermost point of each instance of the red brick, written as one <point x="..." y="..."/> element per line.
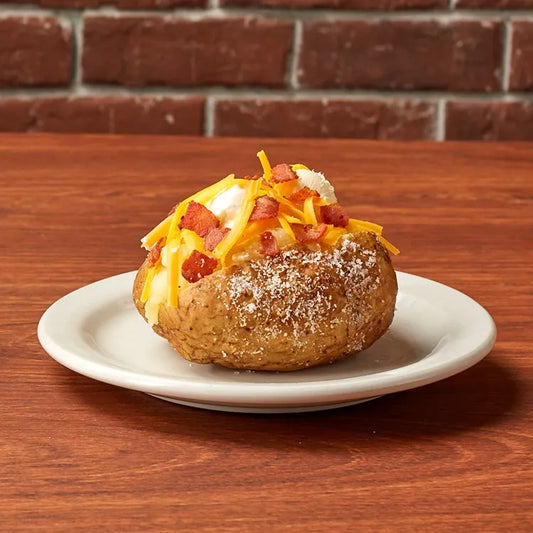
<point x="15" y="115"/>
<point x="495" y="4"/>
<point x="121" y="4"/>
<point x="490" y="121"/>
<point x="339" y="4"/>
<point x="521" y="77"/>
<point x="398" y="54"/>
<point x="34" y="51"/>
<point x="371" y="119"/>
<point x="140" y="51"/>
<point x="150" y="115"/>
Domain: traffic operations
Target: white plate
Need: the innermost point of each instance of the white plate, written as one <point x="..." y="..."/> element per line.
<point x="437" y="332"/>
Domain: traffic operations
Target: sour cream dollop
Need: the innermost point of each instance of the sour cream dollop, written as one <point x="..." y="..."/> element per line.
<point x="226" y="205"/>
<point x="317" y="182"/>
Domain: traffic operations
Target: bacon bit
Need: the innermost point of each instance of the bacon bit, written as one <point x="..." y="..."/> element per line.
<point x="334" y="214"/>
<point x="265" y="207"/>
<point x="199" y="219"/>
<point x="302" y="194"/>
<point x="307" y="233"/>
<point x="214" y="237"/>
<point x="155" y="252"/>
<point x="252" y="178"/>
<point x="197" y="266"/>
<point x="268" y="244"/>
<point x="282" y="172"/>
<point x="172" y="211"/>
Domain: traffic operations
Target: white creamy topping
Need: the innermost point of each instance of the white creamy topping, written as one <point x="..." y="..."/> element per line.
<point x="226" y="205"/>
<point x="317" y="182"/>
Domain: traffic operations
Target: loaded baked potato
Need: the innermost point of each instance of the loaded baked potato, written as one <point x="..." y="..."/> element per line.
<point x="266" y="273"/>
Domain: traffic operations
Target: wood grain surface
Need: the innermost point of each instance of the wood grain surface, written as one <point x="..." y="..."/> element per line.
<point x="80" y="455"/>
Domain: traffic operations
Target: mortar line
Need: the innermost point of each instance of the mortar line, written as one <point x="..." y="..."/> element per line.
<point x="246" y="93"/>
<point x="506" y="54"/>
<point x="292" y="77"/>
<point x="77" y="36"/>
<point x="213" y="8"/>
<point x="440" y="126"/>
<point x="209" y="116"/>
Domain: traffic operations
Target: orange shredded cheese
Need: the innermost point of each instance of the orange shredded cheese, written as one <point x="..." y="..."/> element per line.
<point x="358" y="225"/>
<point x="309" y="211"/>
<point x="265" y="163"/>
<point x="180" y="243"/>
<point x="201" y="197"/>
<point x="390" y="247"/>
<point x="292" y="220"/>
<point x="161" y="230"/>
<point x="221" y="251"/>
<point x="333" y="234"/>
<point x="285" y="188"/>
<point x="283" y="222"/>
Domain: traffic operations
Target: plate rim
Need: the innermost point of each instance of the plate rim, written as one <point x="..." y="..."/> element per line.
<point x="257" y="394"/>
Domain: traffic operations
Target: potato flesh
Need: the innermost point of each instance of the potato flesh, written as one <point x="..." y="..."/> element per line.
<point x="304" y="307"/>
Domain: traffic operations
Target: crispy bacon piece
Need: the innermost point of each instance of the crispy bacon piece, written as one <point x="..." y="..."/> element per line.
<point x="251" y="178"/>
<point x="334" y="214"/>
<point x="303" y="194"/>
<point x="197" y="266"/>
<point x="213" y="238"/>
<point x="282" y="172"/>
<point x="307" y="233"/>
<point x="155" y="252"/>
<point x="265" y="207"/>
<point x="268" y="244"/>
<point x="199" y="219"/>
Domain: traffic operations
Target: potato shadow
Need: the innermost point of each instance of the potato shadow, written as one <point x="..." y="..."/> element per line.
<point x="474" y="398"/>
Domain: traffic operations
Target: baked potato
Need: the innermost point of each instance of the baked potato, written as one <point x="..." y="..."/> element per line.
<point x="279" y="280"/>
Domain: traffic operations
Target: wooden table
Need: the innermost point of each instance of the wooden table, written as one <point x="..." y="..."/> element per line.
<point x="80" y="455"/>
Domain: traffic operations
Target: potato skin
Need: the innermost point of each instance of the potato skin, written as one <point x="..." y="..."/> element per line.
<point x="301" y="308"/>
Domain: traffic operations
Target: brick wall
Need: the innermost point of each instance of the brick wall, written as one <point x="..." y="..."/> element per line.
<point x="388" y="69"/>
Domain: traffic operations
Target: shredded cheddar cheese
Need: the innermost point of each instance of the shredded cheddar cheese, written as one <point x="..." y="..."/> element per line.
<point x="358" y="225"/>
<point x="333" y="234"/>
<point x="265" y="163"/>
<point x="234" y="241"/>
<point x="284" y="223"/>
<point x="173" y="272"/>
<point x="240" y="224"/>
<point x="161" y="230"/>
<point x="390" y="247"/>
<point x="147" y="283"/>
<point x="309" y="211"/>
